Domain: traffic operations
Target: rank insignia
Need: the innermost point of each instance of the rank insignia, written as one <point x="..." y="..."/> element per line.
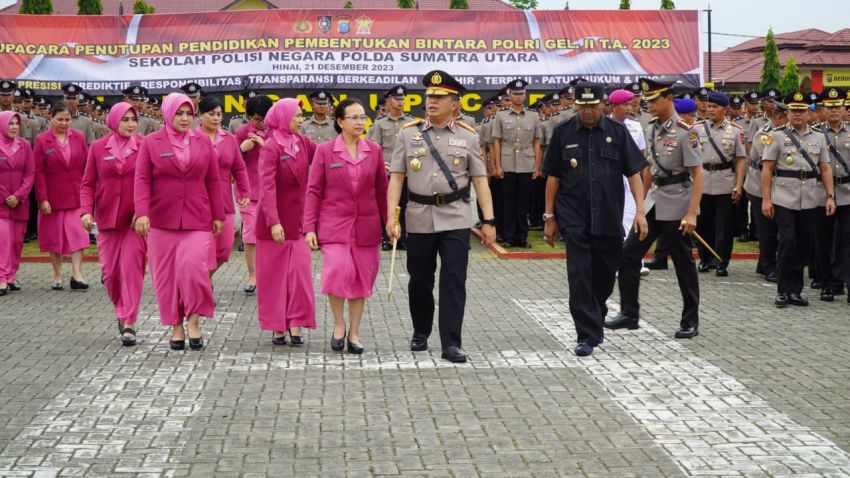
<point x="789" y="160"/>
<point x="766" y="139"/>
<point x="417" y="136"/>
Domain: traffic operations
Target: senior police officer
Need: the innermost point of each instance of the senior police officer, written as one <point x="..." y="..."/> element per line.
<point x="585" y="164"/>
<point x="672" y="205"/>
<point x="766" y="227"/>
<point x="516" y="141"/>
<point x="794" y="163"/>
<point x="440" y="159"/>
<point x="722" y="144"/>
<point x="319" y="127"/>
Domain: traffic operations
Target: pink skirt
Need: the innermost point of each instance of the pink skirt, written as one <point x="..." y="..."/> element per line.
<point x="285" y="296"/>
<point x="11" y="244"/>
<point x="249" y="222"/>
<point x="61" y="232"/>
<point x="180" y="274"/>
<point x="349" y="271"/>
<point x="122" y="255"/>
<point x="220" y="253"/>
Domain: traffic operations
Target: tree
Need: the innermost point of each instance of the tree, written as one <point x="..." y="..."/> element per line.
<point x="667" y="5"/>
<point x="791" y="78"/>
<point x="625" y="5"/>
<point x="523" y="4"/>
<point x="142" y="8"/>
<point x="89" y="7"/>
<point x="36" y="7"/>
<point x="406" y="3"/>
<point x="770" y="69"/>
<point x="348" y="4"/>
<point x="458" y="5"/>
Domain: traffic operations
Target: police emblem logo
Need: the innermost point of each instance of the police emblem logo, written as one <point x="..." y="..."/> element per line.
<point x="588" y="90"/>
<point x="302" y="26"/>
<point x="833" y="93"/>
<point x="344" y="24"/>
<point x="323" y="23"/>
<point x="5" y="85"/>
<point x="798" y="96"/>
<point x="364" y="25"/>
<point x="400" y="91"/>
<point x="644" y="85"/>
<point x="322" y="95"/>
<point x="436" y="79"/>
<point x="17" y="93"/>
<point x="518" y="84"/>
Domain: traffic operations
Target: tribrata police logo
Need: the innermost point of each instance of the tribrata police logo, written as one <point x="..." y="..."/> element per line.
<point x="323" y="23"/>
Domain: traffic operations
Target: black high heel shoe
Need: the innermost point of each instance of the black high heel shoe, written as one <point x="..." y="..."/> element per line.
<point x="177" y="344"/>
<point x="356" y="349"/>
<point x="281" y="340"/>
<point x="78" y="284"/>
<point x="128" y="341"/>
<point x="295" y="340"/>
<point x="196" y="344"/>
<point x="338" y="344"/>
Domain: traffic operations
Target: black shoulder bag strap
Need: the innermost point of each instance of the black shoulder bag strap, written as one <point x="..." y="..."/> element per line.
<point x="439" y="159"/>
<point x="655" y="158"/>
<point x="723" y="157"/>
<point x="805" y="153"/>
<point x="835" y="153"/>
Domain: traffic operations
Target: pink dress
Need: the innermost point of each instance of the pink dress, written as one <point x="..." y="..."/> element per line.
<point x="17" y="173"/>
<point x="252" y="159"/>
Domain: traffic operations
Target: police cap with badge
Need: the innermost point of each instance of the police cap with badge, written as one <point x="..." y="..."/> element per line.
<point x="655" y="88"/>
<point x="71" y="90"/>
<point x="517" y="86"/>
<point x="752" y="97"/>
<point x="136" y="92"/>
<point x="398" y="92"/>
<point x="7" y="87"/>
<point x="320" y="97"/>
<point x="192" y="89"/>
<point x="440" y="83"/>
<point x="832" y="97"/>
<point x="736" y="102"/>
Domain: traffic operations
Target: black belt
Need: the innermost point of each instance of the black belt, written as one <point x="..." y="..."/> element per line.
<point x="716" y="167"/>
<point x="841" y="180"/>
<point x="802" y="174"/>
<point x="439" y="199"/>
<point x="674" y="179"/>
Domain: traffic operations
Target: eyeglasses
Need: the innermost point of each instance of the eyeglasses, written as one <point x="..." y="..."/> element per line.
<point x="356" y="118"/>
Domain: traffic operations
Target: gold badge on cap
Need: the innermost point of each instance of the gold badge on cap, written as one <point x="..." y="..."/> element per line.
<point x="415" y="164"/>
<point x="798" y="96"/>
<point x="833" y="93"/>
<point x="644" y="85"/>
<point x="436" y="79"/>
<point x="573" y="163"/>
<point x="789" y="160"/>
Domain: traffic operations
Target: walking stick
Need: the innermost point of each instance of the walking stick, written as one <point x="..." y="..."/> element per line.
<point x="705" y="244"/>
<point x="392" y="260"/>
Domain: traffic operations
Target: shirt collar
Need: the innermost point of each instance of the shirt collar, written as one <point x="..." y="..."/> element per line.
<point x="450" y="125"/>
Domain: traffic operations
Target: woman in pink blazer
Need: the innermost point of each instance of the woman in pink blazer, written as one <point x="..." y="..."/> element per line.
<point x="251" y="138"/>
<point x="107" y="195"/>
<point x="346" y="205"/>
<point x="60" y="159"/>
<point x="285" y="296"/>
<point x="230" y="165"/>
<point x="179" y="207"/>
<point x="17" y="172"/>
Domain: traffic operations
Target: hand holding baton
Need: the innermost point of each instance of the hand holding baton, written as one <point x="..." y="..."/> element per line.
<point x="392" y="260"/>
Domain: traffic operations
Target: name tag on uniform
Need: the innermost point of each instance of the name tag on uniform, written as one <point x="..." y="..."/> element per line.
<point x="417" y="144"/>
<point x="109" y="158"/>
<point x="285" y="157"/>
<point x="50" y="151"/>
<point x="165" y="155"/>
<point x="3" y="158"/>
<point x="457" y="142"/>
<point x="571" y="146"/>
<point x="336" y="165"/>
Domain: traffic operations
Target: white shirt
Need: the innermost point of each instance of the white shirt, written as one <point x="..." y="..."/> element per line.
<point x="629" y="206"/>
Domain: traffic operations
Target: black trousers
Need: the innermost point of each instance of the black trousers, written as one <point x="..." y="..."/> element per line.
<point x="686" y="273"/>
<point x="661" y="250"/>
<point x="498" y="212"/>
<point x="516" y="199"/>
<point x="767" y="239"/>
<point x="745" y="217"/>
<point x="422" y="250"/>
<point x="538" y="201"/>
<point x="32" y="222"/>
<point x="591" y="272"/>
<point x="842" y="245"/>
<point x="795" y="232"/>
<point x="831" y="240"/>
<point x="716" y="225"/>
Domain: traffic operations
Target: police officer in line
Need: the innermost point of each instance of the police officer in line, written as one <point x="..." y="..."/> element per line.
<point x="320" y="126"/>
<point x="485" y="141"/>
<point x="31" y="111"/>
<point x="723" y="150"/>
<point x="745" y="222"/>
<point x="28" y="128"/>
<point x="752" y="107"/>
<point x="155" y="110"/>
<point x="833" y="232"/>
<point x="766" y="227"/>
<point x="636" y="112"/>
<point x="585" y="164"/>
<point x="701" y="97"/>
<point x="384" y="131"/>
<point x="795" y="162"/>
<point x="79" y="122"/>
<point x="7" y="90"/>
<point x="516" y="141"/>
<point x="99" y="120"/>
<point x="671" y="205"/>
<point x="441" y="159"/>
<point x="237" y="121"/>
<point x="135" y="95"/>
<point x="767" y="96"/>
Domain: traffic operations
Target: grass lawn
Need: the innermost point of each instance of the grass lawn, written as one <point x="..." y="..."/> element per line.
<point x="31" y="249"/>
<point x="538" y="244"/>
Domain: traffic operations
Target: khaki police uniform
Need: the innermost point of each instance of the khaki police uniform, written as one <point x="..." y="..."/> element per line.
<point x="765" y="226"/>
<point x="319" y="131"/>
<point x="833" y="232"/>
<point x="384" y="131"/>
<point x="235" y="123"/>
<point x="83" y="123"/>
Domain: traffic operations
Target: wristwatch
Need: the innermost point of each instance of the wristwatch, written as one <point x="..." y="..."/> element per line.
<point x="830" y="196"/>
<point x="489" y="222"/>
<point x="546" y="217"/>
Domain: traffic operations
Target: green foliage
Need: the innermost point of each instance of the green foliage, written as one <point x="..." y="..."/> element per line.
<point x="406" y="3"/>
<point x="523" y="4"/>
<point x="89" y="7"/>
<point x="770" y="70"/>
<point x="348" y="4"/>
<point x="667" y="5"/>
<point x="791" y="78"/>
<point x="625" y="5"/>
<point x="142" y="8"/>
<point x="36" y="7"/>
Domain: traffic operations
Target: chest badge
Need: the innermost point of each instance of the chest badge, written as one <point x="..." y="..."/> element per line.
<point x="789" y="160"/>
<point x="417" y="136"/>
<point x="415" y="164"/>
<point x="608" y="139"/>
<point x="456" y="161"/>
<point x="573" y="163"/>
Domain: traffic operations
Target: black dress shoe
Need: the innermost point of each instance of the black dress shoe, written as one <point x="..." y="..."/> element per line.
<point x="356" y="349"/>
<point x="656" y="264"/>
<point x="337" y="345"/>
<point x="826" y="295"/>
<point x="128" y="341"/>
<point x="816" y="284"/>
<point x="78" y="284"/>
<point x="386" y="246"/>
<point x="16" y="286"/>
<point x="687" y="332"/>
<point x="177" y="344"/>
<point x="622" y="322"/>
<point x="759" y="270"/>
<point x="721" y="272"/>
<point x="419" y="342"/>
<point x="250" y="288"/>
<point x="837" y="289"/>
<point x="279" y="340"/>
<point x="196" y="343"/>
<point x="4" y="291"/>
<point x="583" y="349"/>
<point x="706" y="266"/>
<point x="772" y="278"/>
<point x="507" y="244"/>
<point x="454" y="354"/>
<point x="797" y="299"/>
<point x="781" y="300"/>
<point x="744" y="237"/>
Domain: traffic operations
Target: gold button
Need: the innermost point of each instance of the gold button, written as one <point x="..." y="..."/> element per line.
<point x="435" y="175"/>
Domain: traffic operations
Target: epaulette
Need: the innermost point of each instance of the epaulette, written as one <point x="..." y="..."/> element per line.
<point x="816" y="127"/>
<point x="654" y="119"/>
<point x="682" y="124"/>
<point x="464" y="125"/>
<point x="413" y="123"/>
<point x="379" y="117"/>
<point x="736" y="125"/>
<point x="504" y="109"/>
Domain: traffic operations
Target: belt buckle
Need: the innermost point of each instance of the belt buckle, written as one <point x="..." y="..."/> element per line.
<point x="839" y="180"/>
<point x="655" y="179"/>
<point x="802" y="175"/>
<point x="439" y="199"/>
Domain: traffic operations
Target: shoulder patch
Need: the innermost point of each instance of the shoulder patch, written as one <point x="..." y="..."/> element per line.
<point x="816" y="127"/>
<point x="693" y="139"/>
<point x="413" y="123"/>
<point x="682" y="124"/>
<point x="466" y="126"/>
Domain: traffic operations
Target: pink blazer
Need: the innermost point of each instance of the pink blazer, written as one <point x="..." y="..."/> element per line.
<point x="231" y="164"/>
<point x="106" y="191"/>
<point x="173" y="198"/>
<point x="283" y="185"/>
<point x="17" y="174"/>
<point x="334" y="209"/>
<point x="252" y="161"/>
<point x="56" y="181"/>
